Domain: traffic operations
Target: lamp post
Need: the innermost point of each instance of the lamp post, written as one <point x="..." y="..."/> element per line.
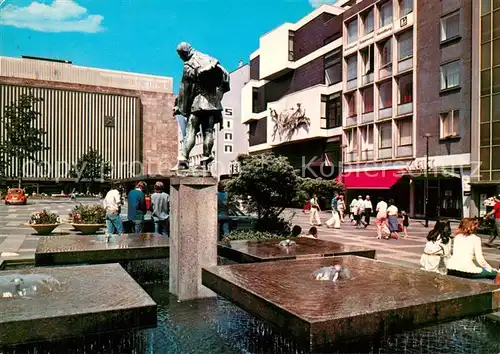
<point x="426" y="187"/>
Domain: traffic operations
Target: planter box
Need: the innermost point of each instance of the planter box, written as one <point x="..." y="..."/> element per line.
<point x="88" y="229"/>
<point x="43" y="229"/>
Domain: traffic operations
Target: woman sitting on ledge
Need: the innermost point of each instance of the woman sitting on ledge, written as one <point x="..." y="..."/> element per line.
<point x="438" y="248"/>
<point x="313" y="233"/>
<point x="466" y="249"/>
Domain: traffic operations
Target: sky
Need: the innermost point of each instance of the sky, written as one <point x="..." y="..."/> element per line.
<point x="141" y="35"/>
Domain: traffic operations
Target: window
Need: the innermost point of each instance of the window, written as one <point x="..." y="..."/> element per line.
<point x="352" y="67"/>
<point x="450" y="124"/>
<point x="255" y="100"/>
<point x="351" y="104"/>
<point x="386" y="13"/>
<point x="228" y="136"/>
<point x="485" y="6"/>
<point x="450" y="75"/>
<point x="385" y="141"/>
<point x="352" y="140"/>
<point x="385" y="95"/>
<point x="368" y="100"/>
<point x="228" y="112"/>
<point x="228" y="148"/>
<point x="405" y="89"/>
<point x="386" y="53"/>
<point x="228" y="124"/>
<point x="405" y="132"/>
<point x="352" y="31"/>
<point x="367" y="138"/>
<point x="368" y="60"/>
<point x="405" y="7"/>
<point x="331" y="108"/>
<point x="405" y="43"/>
<point x="450" y="26"/>
<point x="333" y="67"/>
<point x="291" y="39"/>
<point x="368" y="21"/>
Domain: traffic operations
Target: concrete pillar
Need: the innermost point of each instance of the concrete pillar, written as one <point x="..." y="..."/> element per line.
<point x="412" y="198"/>
<point x="193" y="234"/>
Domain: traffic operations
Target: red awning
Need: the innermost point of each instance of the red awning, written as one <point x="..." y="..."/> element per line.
<point x="379" y="179"/>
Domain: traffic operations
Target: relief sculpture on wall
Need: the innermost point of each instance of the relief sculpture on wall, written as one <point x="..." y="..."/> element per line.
<point x="289" y="122"/>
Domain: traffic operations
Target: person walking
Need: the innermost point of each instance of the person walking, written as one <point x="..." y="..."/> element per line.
<point x="496" y="212"/>
<point x="160" y="209"/>
<point x="406" y="222"/>
<point x="360" y="210"/>
<point x="341" y="207"/>
<point x="334" y="221"/>
<point x="368" y="210"/>
<point x="314" y="216"/>
<point x="137" y="207"/>
<point x="381" y="219"/>
<point x="392" y="214"/>
<point x="113" y="203"/>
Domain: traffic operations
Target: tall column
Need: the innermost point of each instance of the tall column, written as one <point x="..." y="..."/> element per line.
<point x="193" y="234"/>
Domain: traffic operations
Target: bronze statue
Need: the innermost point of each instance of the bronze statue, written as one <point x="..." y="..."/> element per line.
<point x="204" y="83"/>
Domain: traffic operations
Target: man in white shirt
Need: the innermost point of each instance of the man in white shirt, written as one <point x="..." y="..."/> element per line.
<point x="112" y="203"/>
<point x="368" y="210"/>
<point x="381" y="219"/>
<point x="360" y="210"/>
<point x="314" y="216"/>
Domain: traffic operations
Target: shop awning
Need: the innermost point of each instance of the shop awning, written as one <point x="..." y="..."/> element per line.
<point x="379" y="179"/>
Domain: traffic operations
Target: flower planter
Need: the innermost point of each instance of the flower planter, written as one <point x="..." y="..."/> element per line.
<point x="43" y="229"/>
<point x="88" y="229"/>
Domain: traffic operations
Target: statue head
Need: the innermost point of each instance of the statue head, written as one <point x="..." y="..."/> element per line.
<point x="185" y="51"/>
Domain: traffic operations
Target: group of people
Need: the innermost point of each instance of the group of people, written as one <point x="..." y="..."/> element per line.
<point x="459" y="255"/>
<point x="137" y="208"/>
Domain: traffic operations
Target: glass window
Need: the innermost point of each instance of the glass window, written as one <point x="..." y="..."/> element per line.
<point x="496" y="80"/>
<point x="351" y="104"/>
<point x="486" y="55"/>
<point x="496" y="24"/>
<point x="405" y="130"/>
<point x="405" y="44"/>
<point x="496" y="52"/>
<point x="484" y="157"/>
<point x="485" y="108"/>
<point x="450" y="124"/>
<point x="496" y="4"/>
<point x="368" y="21"/>
<point x="331" y="110"/>
<point x="386" y="53"/>
<point x="385" y="90"/>
<point x="405" y="89"/>
<point x="367" y="138"/>
<point x="368" y="100"/>
<point x="495" y="134"/>
<point x="485" y="6"/>
<point x="333" y="67"/>
<point x="291" y="40"/>
<point x="405" y="7"/>
<point x="368" y="60"/>
<point x="495" y="158"/>
<point x="450" y="75"/>
<point x="496" y="107"/>
<point x="485" y="28"/>
<point x="385" y="135"/>
<point x="352" y="67"/>
<point x="485" y="82"/>
<point x="386" y="13"/>
<point x="352" y="31"/>
<point x="484" y="139"/>
<point x="450" y="26"/>
<point x="352" y="140"/>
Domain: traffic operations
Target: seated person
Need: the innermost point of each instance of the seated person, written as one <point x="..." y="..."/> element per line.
<point x="467" y="249"/>
<point x="296" y="231"/>
<point x="313" y="233"/>
<point x="438" y="248"/>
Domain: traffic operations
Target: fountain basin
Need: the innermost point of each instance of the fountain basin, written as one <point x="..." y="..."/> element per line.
<point x="381" y="297"/>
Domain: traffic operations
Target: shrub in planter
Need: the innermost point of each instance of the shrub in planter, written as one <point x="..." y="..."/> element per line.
<point x="88" y="214"/>
<point x="44" y="217"/>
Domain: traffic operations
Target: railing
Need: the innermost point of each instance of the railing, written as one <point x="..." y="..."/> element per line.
<point x="405" y="150"/>
<point x="385" y="113"/>
<point x="367" y="117"/>
<point x="367" y="155"/>
<point x="405" y="108"/>
<point x="385" y="153"/>
<point x="385" y="71"/>
<point x="405" y="64"/>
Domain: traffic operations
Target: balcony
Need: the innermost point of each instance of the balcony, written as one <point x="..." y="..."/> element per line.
<point x="386" y="71"/>
<point x="352" y="84"/>
<point x="405" y="64"/>
<point x="351" y="121"/>
<point x="405" y="108"/>
<point x="367" y="155"/>
<point x="351" y="156"/>
<point x="367" y="117"/>
<point x="385" y="153"/>
<point x="366" y="79"/>
<point x="385" y="113"/>
<point x="405" y="151"/>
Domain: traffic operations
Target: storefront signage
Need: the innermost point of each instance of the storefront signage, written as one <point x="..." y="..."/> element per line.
<point x="420" y="165"/>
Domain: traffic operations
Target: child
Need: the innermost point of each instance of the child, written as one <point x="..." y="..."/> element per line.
<point x="437" y="250"/>
<point x="406" y="223"/>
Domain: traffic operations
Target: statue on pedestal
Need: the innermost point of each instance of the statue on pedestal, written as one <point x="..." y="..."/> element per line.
<point x="204" y="83"/>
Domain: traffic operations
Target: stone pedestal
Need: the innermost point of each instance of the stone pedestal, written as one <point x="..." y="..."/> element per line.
<point x="193" y="234"/>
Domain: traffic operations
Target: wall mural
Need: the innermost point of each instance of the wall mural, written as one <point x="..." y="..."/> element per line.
<point x="289" y="122"/>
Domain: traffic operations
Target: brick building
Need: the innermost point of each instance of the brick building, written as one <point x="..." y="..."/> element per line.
<point x="378" y="80"/>
<point x="127" y="117"/>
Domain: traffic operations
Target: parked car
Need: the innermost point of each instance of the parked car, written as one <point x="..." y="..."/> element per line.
<point x="16" y="196"/>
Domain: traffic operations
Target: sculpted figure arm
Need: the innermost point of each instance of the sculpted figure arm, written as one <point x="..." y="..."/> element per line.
<point x="186" y="92"/>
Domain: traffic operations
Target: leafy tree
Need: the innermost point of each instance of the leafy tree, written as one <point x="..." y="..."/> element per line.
<point x="23" y="141"/>
<point x="324" y="189"/>
<point x="91" y="166"/>
<point x="266" y="184"/>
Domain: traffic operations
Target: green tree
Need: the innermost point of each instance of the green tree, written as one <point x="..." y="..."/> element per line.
<point x="267" y="184"/>
<point x="23" y="140"/>
<point x="91" y="167"/>
<point x="324" y="189"/>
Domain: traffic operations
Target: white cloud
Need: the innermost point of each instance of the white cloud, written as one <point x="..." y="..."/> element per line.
<point x="318" y="3"/>
<point x="60" y="16"/>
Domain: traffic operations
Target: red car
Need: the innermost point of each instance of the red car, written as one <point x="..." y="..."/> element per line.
<point x="16" y="196"/>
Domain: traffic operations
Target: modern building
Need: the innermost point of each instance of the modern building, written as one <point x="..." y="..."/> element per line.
<point x="485" y="178"/>
<point x="127" y="117"/>
<point x="381" y="82"/>
<point x="232" y="139"/>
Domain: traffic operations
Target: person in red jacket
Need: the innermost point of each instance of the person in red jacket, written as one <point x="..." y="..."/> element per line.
<point x="495" y="211"/>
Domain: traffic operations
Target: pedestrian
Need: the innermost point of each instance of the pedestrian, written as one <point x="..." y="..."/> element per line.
<point x="392" y="215"/>
<point x="160" y="209"/>
<point x="334" y="221"/>
<point x="312" y="233"/>
<point x="353" y="209"/>
<point x="368" y="210"/>
<point x="360" y="211"/>
<point x="137" y="207"/>
<point x="406" y="222"/>
<point x="341" y="207"/>
<point x="314" y="216"/>
<point x="113" y="204"/>
<point x="381" y="219"/>
<point x="496" y="212"/>
<point x="437" y="250"/>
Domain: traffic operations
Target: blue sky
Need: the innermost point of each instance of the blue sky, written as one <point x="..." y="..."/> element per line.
<point x="141" y="35"/>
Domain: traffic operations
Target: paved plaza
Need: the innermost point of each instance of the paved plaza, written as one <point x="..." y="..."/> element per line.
<point x="21" y="240"/>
